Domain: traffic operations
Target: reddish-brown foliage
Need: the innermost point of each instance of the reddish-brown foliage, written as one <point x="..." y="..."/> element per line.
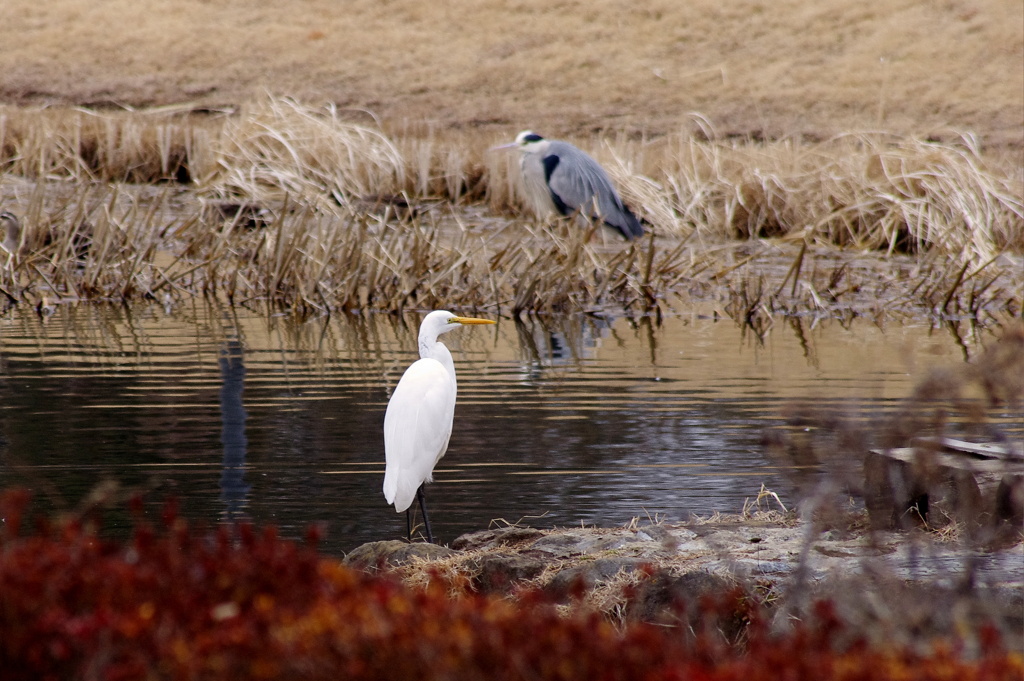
<point x="180" y="604"/>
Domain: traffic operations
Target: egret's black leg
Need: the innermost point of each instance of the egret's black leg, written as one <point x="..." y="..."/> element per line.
<point x="408" y="523"/>
<point x="426" y="520"/>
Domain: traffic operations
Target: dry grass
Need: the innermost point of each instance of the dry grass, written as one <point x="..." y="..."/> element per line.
<point x="117" y="146"/>
<point x="324" y="262"/>
<point x="315" y="262"/>
<point x="868" y="192"/>
<point x="277" y="147"/>
<point x="94" y="242"/>
<point x="299" y="206"/>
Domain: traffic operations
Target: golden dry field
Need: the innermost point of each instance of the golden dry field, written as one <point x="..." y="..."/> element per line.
<point x="568" y="68"/>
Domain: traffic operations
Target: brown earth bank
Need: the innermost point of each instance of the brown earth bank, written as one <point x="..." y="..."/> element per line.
<point x="748" y="68"/>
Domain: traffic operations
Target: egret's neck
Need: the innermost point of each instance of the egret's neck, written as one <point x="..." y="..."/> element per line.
<point x="434" y="349"/>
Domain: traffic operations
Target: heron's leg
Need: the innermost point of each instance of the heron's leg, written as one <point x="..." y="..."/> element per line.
<point x="426" y="520"/>
<point x="408" y="523"/>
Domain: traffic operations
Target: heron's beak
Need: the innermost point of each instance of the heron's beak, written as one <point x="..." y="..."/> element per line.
<point x="504" y="146"/>
<point x="470" y="320"/>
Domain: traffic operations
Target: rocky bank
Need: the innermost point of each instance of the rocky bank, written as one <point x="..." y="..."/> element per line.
<point x="892" y="583"/>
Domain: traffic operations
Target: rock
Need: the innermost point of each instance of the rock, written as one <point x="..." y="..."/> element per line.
<point x="499" y="572"/>
<point x="504" y="536"/>
<point x="748" y="567"/>
<point x="588" y="575"/>
<point x="1010" y="500"/>
<point x="701" y="601"/>
<point x="941" y="480"/>
<point x="669" y="538"/>
<point x="381" y="554"/>
<point x="569" y="543"/>
<point x="705" y="577"/>
<point x="898" y="611"/>
<point x="562" y="545"/>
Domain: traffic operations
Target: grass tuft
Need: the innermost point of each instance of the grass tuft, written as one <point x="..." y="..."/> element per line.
<point x="278" y="147"/>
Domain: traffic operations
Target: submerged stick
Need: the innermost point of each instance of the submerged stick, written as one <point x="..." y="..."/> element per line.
<point x="794" y="271"/>
<point x="956" y="285"/>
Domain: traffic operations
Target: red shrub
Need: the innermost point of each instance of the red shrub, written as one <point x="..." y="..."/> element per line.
<point x="177" y="604"/>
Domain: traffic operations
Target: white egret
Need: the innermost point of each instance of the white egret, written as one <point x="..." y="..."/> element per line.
<point x="418" y="421"/>
<point x="560" y="178"/>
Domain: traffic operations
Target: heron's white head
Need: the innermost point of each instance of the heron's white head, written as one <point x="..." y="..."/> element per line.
<point x="528" y="139"/>
<point x="443" y="321"/>
<point x="527" y="142"/>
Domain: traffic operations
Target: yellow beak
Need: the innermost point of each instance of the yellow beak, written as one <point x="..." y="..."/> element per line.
<point x="470" y="320"/>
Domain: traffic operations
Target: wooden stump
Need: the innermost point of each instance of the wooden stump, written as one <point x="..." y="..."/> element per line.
<point x="938" y="481"/>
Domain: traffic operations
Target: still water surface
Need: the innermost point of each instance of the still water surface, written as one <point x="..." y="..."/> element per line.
<point x="593" y="420"/>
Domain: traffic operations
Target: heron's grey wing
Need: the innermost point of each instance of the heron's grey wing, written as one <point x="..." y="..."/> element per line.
<point x="570" y="177"/>
<point x="550" y="164"/>
<point x="577" y="182"/>
<point x="622" y="219"/>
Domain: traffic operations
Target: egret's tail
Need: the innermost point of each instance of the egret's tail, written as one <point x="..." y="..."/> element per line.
<point x="398" y="492"/>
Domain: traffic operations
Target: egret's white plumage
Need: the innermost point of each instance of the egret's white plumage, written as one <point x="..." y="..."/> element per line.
<point x="417" y="426"/>
<point x="559" y="178"/>
<point x="418" y="421"/>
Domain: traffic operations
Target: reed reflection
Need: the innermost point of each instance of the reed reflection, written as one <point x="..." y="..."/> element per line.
<point x="233" y="488"/>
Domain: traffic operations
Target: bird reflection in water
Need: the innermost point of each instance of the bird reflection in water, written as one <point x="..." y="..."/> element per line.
<point x="233" y="489"/>
<point x="544" y="346"/>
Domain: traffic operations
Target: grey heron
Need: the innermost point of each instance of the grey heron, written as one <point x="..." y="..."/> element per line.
<point x="560" y="178"/>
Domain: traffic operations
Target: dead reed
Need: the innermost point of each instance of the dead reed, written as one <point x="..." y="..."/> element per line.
<point x="109" y="242"/>
<point x="90" y="242"/>
<point x="322" y="262"/>
<point x="277" y="147"/>
<point x="305" y="208"/>
<point x="113" y="146"/>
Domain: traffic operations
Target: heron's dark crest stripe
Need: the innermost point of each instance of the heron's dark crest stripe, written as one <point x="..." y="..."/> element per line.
<point x="532" y="138"/>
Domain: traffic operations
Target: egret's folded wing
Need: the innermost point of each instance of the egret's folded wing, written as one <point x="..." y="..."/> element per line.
<point x="417" y="425"/>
